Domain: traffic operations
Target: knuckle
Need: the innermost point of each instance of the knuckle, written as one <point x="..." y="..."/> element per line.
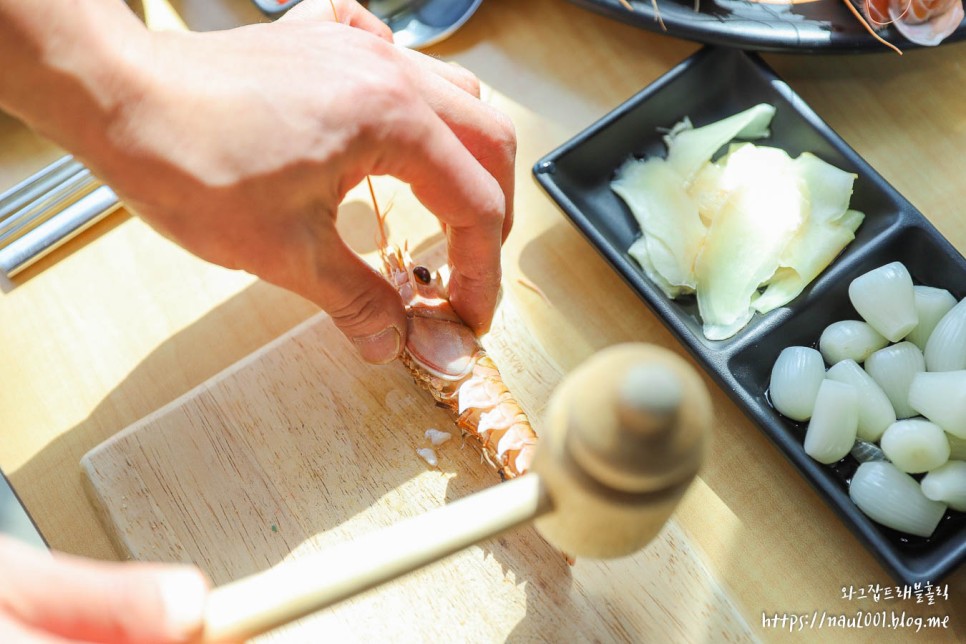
<point x="505" y="135"/>
<point x="359" y="313"/>
<point x="395" y="96"/>
<point x="384" y="105"/>
<point x="500" y="140"/>
<point x="478" y="278"/>
<point x="491" y="216"/>
<point x="466" y="79"/>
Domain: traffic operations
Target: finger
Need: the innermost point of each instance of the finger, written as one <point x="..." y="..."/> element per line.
<point x="100" y="601"/>
<point x="347" y="12"/>
<point x="485" y="131"/>
<point x="11" y="631"/>
<point x="452" y="72"/>
<point x="453" y="185"/>
<point x="365" y="307"/>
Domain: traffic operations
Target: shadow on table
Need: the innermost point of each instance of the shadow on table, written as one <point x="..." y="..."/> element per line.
<point x="249" y="542"/>
<point x="769" y="502"/>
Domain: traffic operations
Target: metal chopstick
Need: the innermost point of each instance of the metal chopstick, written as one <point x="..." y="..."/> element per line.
<point x="47" y="205"/>
<point x="46" y="209"/>
<point x="54" y="231"/>
<point x="36" y="185"/>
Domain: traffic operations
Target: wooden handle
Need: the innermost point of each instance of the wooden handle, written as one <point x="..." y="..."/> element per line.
<point x="289" y="591"/>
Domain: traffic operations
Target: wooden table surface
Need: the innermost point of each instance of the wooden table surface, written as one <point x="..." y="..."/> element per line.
<point x="121" y="322"/>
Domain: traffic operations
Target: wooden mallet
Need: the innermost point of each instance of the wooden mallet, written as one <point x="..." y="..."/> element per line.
<point x="624" y="437"/>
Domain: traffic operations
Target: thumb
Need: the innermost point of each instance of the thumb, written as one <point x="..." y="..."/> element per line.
<point x="365" y="307"/>
<point x="98" y="601"/>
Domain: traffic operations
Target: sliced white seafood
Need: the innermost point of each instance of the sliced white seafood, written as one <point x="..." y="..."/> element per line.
<point x="915" y="445"/>
<point x="690" y="148"/>
<point x="893" y="498"/>
<point x="947" y="484"/>
<point x="875" y="409"/>
<point x="849" y="340"/>
<point x="747" y="237"/>
<point x="884" y="297"/>
<point x="946" y="348"/>
<point x="941" y="397"/>
<point x="672" y="230"/>
<point x="893" y="368"/>
<point x="835" y="419"/>
<point x="795" y="378"/>
<point x="931" y="305"/>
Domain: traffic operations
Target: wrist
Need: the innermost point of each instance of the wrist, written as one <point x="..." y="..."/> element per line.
<point x="73" y="69"/>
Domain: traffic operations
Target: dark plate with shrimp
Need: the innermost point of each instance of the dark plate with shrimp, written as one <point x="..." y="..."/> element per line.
<point x="795" y="26"/>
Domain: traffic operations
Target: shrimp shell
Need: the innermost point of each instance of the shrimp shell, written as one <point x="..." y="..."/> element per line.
<point x="446" y="358"/>
<point x="924" y="22"/>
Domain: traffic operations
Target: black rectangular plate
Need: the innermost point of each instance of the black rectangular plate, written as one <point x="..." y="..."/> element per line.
<point x="713" y="84"/>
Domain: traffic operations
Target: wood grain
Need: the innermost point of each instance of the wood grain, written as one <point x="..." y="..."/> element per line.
<point x="120" y="321"/>
<point x="302" y="446"/>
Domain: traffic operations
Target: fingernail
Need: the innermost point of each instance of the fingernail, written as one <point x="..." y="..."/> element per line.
<point x="379" y="348"/>
<point x="184" y="593"/>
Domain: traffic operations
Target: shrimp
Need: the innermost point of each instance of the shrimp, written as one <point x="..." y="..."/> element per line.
<point x="446" y="358"/>
<point x="924" y="22"/>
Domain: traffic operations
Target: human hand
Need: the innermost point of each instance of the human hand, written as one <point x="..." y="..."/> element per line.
<point x="59" y="598"/>
<point x="240" y="146"/>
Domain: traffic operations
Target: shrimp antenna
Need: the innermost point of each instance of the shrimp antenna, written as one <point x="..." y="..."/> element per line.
<point x="865" y="23"/>
<point x="380" y="216"/>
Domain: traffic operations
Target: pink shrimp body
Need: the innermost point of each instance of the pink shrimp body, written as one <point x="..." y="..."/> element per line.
<point x="446" y="358"/>
<point x="924" y="22"/>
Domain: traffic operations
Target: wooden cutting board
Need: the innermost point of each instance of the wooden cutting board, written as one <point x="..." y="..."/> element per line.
<point x="302" y="445"/>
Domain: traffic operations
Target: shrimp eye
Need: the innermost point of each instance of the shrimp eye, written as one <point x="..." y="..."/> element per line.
<point x="422" y="274"/>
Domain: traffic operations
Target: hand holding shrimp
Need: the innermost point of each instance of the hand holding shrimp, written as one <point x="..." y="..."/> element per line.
<point x="445" y="357"/>
<point x="240" y="145"/>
